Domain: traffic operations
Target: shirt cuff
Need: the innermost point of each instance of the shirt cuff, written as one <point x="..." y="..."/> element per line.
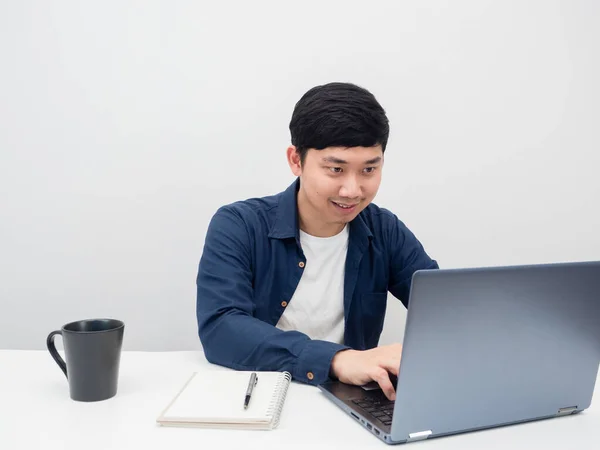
<point x="314" y="361"/>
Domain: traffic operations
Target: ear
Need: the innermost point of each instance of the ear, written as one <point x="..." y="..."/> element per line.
<point x="293" y="159"/>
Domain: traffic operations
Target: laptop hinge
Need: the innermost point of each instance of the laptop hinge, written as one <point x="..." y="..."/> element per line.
<point x="567" y="410"/>
<point x="418" y="436"/>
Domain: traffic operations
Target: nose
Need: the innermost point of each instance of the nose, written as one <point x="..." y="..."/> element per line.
<point x="350" y="188"/>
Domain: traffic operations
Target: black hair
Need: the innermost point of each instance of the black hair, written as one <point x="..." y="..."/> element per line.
<point x="338" y="115"/>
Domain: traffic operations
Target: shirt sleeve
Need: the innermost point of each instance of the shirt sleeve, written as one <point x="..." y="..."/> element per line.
<point x="229" y="333"/>
<point x="407" y="256"/>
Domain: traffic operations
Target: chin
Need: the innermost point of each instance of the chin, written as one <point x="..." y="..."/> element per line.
<point x="345" y="220"/>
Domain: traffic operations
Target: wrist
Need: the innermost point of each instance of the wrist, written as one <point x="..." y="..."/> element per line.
<point x="338" y="361"/>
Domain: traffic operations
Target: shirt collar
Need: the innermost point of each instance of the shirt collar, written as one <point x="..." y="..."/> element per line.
<point x="286" y="219"/>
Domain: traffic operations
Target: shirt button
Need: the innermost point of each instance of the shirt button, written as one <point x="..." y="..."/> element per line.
<point x="301" y="264"/>
<point x="284" y="303"/>
<point x="310" y="375"/>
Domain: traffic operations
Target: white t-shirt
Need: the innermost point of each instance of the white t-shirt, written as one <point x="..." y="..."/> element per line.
<point x="317" y="306"/>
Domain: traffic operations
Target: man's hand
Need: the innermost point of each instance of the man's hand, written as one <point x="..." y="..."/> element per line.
<point x="359" y="367"/>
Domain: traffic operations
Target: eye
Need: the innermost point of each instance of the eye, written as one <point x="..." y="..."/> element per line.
<point x="369" y="169"/>
<point x="336" y="169"/>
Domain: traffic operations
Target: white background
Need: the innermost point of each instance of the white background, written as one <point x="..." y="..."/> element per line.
<point x="125" y="124"/>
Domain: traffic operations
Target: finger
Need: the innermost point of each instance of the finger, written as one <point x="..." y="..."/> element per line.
<point x="383" y="379"/>
<point x="391" y="365"/>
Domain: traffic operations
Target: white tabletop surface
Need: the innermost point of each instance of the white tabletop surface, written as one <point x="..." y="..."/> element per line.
<point x="36" y="412"/>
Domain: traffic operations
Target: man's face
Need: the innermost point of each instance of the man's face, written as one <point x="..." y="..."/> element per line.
<point x="336" y="184"/>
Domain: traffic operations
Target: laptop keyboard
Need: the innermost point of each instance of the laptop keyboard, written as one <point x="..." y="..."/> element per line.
<point x="381" y="408"/>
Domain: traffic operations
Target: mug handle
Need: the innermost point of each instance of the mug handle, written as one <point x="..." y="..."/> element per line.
<point x="54" y="353"/>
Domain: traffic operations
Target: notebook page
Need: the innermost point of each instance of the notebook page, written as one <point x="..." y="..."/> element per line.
<point x="218" y="396"/>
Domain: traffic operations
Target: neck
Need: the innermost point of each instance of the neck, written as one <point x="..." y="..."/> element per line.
<point x="324" y="230"/>
<point x="309" y="222"/>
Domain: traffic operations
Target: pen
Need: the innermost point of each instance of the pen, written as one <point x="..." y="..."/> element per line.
<point x="251" y="384"/>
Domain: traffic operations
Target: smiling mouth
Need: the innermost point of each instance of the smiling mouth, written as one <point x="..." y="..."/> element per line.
<point x="344" y="205"/>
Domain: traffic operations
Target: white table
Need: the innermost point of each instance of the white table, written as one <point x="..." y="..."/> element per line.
<point x="36" y="412"/>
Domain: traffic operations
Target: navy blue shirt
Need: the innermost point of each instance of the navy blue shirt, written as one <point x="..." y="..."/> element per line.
<point x="252" y="263"/>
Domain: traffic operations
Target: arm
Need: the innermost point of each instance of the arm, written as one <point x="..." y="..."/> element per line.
<point x="229" y="333"/>
<point x="407" y="256"/>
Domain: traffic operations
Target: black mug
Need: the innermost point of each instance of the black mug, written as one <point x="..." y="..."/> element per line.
<point x="93" y="353"/>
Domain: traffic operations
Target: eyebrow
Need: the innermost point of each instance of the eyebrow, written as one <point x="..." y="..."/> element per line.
<point x="334" y="160"/>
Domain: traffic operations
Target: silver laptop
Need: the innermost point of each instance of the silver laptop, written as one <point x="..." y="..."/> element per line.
<point x="487" y="347"/>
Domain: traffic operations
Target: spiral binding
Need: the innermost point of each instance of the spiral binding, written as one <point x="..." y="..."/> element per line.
<point x="276" y="404"/>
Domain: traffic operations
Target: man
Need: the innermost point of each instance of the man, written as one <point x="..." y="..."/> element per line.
<point x="298" y="281"/>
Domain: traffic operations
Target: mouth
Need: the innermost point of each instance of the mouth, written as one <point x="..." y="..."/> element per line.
<point x="345" y="208"/>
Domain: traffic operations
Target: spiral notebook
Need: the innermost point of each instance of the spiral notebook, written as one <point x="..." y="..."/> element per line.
<point x="215" y="399"/>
